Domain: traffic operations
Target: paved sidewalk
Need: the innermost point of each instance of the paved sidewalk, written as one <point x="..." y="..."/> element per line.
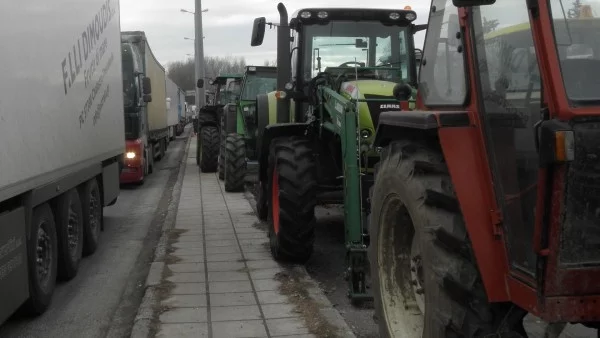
<point x="219" y="279"/>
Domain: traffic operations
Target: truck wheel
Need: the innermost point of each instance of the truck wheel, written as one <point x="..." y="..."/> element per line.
<point x="42" y="255"/>
<point x="235" y="163"/>
<point x="420" y="254"/>
<point x="91" y="207"/>
<point x="151" y="162"/>
<point x="209" y="149"/>
<point x="292" y="198"/>
<point x="69" y="230"/>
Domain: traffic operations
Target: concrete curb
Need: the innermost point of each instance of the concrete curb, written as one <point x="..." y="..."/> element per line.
<point x="327" y="310"/>
<point x="142" y="324"/>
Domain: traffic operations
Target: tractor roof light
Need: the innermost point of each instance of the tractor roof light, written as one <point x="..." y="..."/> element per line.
<point x="289" y="86"/>
<point x="280" y="94"/>
<point x="305" y="15"/>
<point x="394" y="16"/>
<point x="322" y="15"/>
<point x="407" y="8"/>
<point x="251" y="69"/>
<point x="411" y="16"/>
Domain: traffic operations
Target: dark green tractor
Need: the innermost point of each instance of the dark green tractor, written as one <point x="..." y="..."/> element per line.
<point x="208" y="126"/>
<point x="338" y="70"/>
<point x="241" y="127"/>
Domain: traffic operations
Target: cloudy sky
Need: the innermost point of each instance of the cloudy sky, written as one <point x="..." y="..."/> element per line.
<point x="227" y="24"/>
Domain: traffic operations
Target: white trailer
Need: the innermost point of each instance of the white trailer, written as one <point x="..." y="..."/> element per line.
<point x="62" y="142"/>
<point x="172" y="103"/>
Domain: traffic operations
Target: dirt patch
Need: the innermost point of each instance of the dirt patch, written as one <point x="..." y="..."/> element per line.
<point x="296" y="288"/>
<point x="261" y="226"/>
<point x="172" y="259"/>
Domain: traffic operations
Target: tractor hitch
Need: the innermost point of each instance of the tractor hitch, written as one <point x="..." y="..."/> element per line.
<point x="356" y="273"/>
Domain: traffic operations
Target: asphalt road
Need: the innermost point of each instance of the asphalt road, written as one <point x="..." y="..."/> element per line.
<point x="102" y="300"/>
<point x="327" y="266"/>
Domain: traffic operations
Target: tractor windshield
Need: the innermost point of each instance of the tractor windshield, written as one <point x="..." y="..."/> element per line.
<point x="258" y="83"/>
<point x="230" y="92"/>
<point x="344" y="44"/>
<point x="577" y="33"/>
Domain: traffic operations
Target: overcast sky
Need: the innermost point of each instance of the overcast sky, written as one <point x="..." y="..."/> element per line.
<point x="227" y="24"/>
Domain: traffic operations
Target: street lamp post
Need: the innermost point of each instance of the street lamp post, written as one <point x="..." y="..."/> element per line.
<point x="199" y="52"/>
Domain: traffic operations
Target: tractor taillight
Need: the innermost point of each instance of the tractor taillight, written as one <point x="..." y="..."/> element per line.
<point x="564" y="146"/>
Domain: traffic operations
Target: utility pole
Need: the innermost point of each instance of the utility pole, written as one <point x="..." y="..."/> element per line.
<point x="199" y="62"/>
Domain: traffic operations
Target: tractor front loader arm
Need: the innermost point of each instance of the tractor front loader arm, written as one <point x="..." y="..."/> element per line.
<point x="340" y="116"/>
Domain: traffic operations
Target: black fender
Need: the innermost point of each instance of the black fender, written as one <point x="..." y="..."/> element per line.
<point x="208" y="117"/>
<point x="270" y="133"/>
<point x="230" y="113"/>
<point x="396" y="125"/>
<point x="262" y="115"/>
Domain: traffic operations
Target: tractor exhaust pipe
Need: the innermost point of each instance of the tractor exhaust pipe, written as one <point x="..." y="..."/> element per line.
<point x="284" y="67"/>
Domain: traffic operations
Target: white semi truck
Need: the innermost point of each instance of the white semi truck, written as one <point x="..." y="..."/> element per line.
<point x="61" y="141"/>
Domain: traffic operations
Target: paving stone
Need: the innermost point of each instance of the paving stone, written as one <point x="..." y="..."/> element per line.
<point x="225" y="276"/>
<point x="251" y="235"/>
<point x="263" y="264"/>
<point x="188" y="288"/>
<point x="232" y="299"/>
<point x="220" y="236"/>
<point x="221" y="242"/>
<point x="183" y="330"/>
<point x="184" y="315"/>
<point x="222" y="250"/>
<point x="226" y="266"/>
<point x="230" y="287"/>
<point x="296" y="336"/>
<point x="271" y="297"/>
<point x="185" y="301"/>
<point x="238" y="329"/>
<point x="254" y="241"/>
<point x="188" y="251"/>
<point x="188" y="258"/>
<point x="186" y="277"/>
<point x="273" y="311"/>
<point x="286" y="326"/>
<point x="188" y="245"/>
<point x="220" y="257"/>
<point x="186" y="267"/>
<point x="254" y="248"/>
<point x="253" y="256"/>
<point x="265" y="273"/>
<point x="229" y="313"/>
<point x="266" y="285"/>
<point x="191" y="238"/>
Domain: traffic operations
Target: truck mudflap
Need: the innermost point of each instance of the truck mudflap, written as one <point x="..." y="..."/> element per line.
<point x="14" y="288"/>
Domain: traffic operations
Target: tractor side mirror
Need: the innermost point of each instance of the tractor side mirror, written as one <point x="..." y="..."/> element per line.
<point x="147" y="98"/>
<point x="258" y="32"/>
<point x="147" y="86"/>
<point x="360" y="43"/>
<point x="470" y="3"/>
<point x="200" y="83"/>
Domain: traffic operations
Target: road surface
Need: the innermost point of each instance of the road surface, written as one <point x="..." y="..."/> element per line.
<point x="102" y="300"/>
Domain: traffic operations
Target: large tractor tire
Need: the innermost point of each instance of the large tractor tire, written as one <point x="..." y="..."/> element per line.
<point x="235" y="163"/>
<point x="420" y="254"/>
<point x="221" y="160"/>
<point x="209" y="149"/>
<point x="291" y="191"/>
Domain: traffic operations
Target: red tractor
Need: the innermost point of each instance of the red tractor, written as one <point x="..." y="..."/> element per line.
<point x="486" y="202"/>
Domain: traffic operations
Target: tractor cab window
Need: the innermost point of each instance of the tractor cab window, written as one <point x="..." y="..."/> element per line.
<point x="260" y="83"/>
<point x="577" y="34"/>
<point x="340" y="45"/>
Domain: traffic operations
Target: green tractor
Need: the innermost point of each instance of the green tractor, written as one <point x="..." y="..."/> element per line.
<point x="241" y="128"/>
<point x="207" y="127"/>
<point x="347" y="66"/>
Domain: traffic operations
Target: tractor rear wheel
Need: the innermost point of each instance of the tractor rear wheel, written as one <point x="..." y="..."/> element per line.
<point x="209" y="149"/>
<point x="235" y="163"/>
<point x="221" y="160"/>
<point x="420" y="254"/>
<point x="291" y="192"/>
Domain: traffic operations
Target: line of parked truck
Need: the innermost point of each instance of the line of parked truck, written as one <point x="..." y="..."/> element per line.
<point x="90" y="122"/>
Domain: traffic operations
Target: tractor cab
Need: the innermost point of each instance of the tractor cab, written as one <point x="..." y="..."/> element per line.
<point x="227" y="88"/>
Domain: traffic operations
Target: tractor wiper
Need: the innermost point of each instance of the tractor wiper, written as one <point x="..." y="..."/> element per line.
<point x="389" y="64"/>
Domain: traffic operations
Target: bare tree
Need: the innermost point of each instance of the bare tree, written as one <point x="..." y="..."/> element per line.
<point x="489" y="25"/>
<point x="182" y="72"/>
<point x="575" y="10"/>
<point x="271" y="63"/>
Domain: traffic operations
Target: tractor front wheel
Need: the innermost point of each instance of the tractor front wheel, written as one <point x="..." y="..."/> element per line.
<point x="209" y="149"/>
<point x="421" y="255"/>
<point x="291" y="192"/>
<point x="235" y="163"/>
<point x="221" y="160"/>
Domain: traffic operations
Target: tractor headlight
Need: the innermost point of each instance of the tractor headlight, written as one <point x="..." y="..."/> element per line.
<point x="394" y="16"/>
<point x="289" y="86"/>
<point x="130" y="155"/>
<point x="322" y="15"/>
<point x="365" y="133"/>
<point x="411" y="16"/>
<point x="305" y="15"/>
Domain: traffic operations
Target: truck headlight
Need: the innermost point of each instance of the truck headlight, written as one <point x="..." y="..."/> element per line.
<point x="130" y="155"/>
